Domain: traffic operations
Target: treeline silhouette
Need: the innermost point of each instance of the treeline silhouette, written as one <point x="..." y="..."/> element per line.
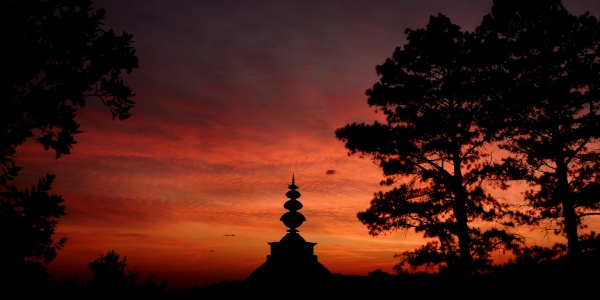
<point x="550" y="278"/>
<point x="110" y="279"/>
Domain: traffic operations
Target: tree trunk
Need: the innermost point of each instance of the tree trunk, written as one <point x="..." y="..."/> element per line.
<point x="568" y="208"/>
<point x="563" y="192"/>
<point x="462" y="226"/>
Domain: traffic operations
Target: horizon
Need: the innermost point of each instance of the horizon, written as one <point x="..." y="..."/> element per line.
<point x="232" y="100"/>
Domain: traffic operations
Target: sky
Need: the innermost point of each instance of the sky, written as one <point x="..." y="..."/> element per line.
<point x="232" y="99"/>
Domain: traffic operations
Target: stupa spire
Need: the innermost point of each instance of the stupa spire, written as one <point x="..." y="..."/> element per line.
<point x="292" y="261"/>
<point x="292" y="219"/>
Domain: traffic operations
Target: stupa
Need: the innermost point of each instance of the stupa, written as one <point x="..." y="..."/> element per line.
<point x="292" y="260"/>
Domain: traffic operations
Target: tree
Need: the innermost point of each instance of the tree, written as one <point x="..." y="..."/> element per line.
<point x="55" y="56"/>
<point x="110" y="278"/>
<point x="551" y="60"/>
<point x="27" y="223"/>
<point x="109" y="273"/>
<point x="435" y="146"/>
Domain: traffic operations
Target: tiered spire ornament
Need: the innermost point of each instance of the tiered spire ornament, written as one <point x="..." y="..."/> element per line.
<point x="292" y="219"/>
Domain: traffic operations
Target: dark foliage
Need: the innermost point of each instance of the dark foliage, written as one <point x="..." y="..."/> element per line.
<point x="28" y="222"/>
<point x="55" y="56"/>
<point x="550" y="99"/>
<point x="109" y="272"/>
<point x="435" y="145"/>
<point x="527" y="81"/>
<point x="110" y="278"/>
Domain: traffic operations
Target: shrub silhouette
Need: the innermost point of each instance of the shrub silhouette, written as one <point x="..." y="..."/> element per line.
<point x="109" y="273"/>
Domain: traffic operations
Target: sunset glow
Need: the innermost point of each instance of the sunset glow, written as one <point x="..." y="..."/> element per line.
<point x="232" y="98"/>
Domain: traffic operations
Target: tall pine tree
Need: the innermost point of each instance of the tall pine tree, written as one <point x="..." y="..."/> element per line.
<point x="433" y="150"/>
<point x="550" y="95"/>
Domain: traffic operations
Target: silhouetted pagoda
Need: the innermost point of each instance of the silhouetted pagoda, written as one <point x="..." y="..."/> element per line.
<point x="292" y="261"/>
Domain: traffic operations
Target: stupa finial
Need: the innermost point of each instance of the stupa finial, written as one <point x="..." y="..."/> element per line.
<point x="293" y="186"/>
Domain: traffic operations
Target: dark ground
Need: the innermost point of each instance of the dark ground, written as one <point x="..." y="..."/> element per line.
<point x="560" y="279"/>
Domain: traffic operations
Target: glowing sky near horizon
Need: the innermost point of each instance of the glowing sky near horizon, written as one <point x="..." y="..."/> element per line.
<point x="233" y="97"/>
